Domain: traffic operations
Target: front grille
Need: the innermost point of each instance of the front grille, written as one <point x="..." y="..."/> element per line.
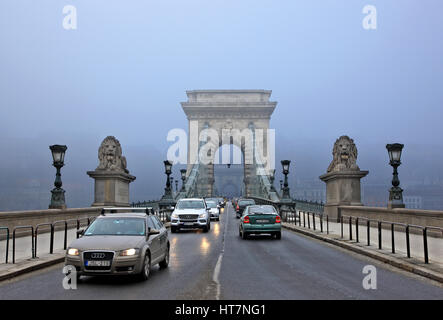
<point x="193" y="217"/>
<point x="98" y="256"/>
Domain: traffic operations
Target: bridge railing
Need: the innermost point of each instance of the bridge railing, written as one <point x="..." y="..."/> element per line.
<point x="362" y="230"/>
<point x="33" y="232"/>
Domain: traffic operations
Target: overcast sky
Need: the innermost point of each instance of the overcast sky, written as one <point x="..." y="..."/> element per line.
<point x="125" y="69"/>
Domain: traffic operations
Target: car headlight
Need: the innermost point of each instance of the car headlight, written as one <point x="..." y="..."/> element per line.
<point x="73" y="252"/>
<point x="202" y="215"/>
<point x="129" y="252"/>
<point x="174" y="215"/>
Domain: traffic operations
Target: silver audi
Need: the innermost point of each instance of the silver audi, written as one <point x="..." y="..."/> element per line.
<point x="121" y="244"/>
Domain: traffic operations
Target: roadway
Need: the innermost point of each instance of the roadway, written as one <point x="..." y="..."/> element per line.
<point x="220" y="265"/>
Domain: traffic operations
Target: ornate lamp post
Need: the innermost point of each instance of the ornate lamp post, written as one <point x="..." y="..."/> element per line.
<point x="395" y="193"/>
<point x="168" y="167"/>
<point x="281" y="185"/>
<point x="285" y="164"/>
<point x="183" y="176"/>
<point x="58" y="194"/>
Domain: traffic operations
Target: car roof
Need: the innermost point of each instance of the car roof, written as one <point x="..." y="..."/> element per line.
<point x="192" y="199"/>
<point x="124" y="215"/>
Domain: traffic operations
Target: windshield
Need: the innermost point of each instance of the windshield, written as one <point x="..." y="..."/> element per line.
<point x="246" y="202"/>
<point x="262" y="210"/>
<point x="211" y="204"/>
<point x="117" y="227"/>
<point x="191" y="204"/>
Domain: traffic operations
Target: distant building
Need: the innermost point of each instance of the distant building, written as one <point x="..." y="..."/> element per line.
<point x="413" y="202"/>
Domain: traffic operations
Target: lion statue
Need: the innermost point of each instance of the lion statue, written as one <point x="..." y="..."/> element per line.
<point x="344" y="155"/>
<point x="110" y="156"/>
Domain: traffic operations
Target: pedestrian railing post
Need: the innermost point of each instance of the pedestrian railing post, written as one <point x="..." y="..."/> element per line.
<point x="350" y="228"/>
<point x="356" y="229"/>
<point x="327" y="224"/>
<point x="321" y="223"/>
<point x="425" y="244"/>
<point x="313" y="220"/>
<point x="304" y="219"/>
<point x="51" y="241"/>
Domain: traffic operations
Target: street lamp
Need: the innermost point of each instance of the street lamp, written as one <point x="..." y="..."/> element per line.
<point x="281" y="185"/>
<point x="285" y="164"/>
<point x="183" y="175"/>
<point x="395" y="193"/>
<point x="168" y="167"/>
<point x="58" y="194"/>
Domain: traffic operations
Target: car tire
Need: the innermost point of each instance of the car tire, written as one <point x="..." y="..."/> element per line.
<point x="278" y="235"/>
<point x="244" y="235"/>
<point x="146" y="268"/>
<point x="173" y="229"/>
<point x="165" y="262"/>
<point x="205" y="229"/>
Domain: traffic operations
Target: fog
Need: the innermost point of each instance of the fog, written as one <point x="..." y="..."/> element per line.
<point x="125" y="70"/>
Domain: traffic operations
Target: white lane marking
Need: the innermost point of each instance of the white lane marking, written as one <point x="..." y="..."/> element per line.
<point x="216" y="275"/>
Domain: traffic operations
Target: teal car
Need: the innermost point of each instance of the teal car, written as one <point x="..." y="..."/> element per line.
<point x="260" y="219"/>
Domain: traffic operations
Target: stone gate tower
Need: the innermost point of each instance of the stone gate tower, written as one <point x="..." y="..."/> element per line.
<point x="228" y="110"/>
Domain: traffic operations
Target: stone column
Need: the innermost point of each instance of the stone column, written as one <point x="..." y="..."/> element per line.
<point x="343" y="178"/>
<point x="111" y="177"/>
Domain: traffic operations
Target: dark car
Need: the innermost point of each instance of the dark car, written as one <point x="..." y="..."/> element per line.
<point x="242" y="204"/>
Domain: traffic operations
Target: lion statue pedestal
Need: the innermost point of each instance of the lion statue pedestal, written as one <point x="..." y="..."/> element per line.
<point x="111" y="177"/>
<point x="343" y="178"/>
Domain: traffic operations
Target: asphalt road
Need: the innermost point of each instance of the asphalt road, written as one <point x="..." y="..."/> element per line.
<point x="220" y="265"/>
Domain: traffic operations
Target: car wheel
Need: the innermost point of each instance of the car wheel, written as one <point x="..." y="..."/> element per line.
<point x="205" y="229"/>
<point x="146" y="268"/>
<point x="165" y="262"/>
<point x="278" y="235"/>
<point x="173" y="229"/>
<point x="244" y="236"/>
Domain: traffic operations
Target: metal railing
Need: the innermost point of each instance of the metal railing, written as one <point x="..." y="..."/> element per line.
<point x="316" y="222"/>
<point x="34" y="233"/>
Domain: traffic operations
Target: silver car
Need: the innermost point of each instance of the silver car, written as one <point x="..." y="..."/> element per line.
<point x="191" y="213"/>
<point x="121" y="244"/>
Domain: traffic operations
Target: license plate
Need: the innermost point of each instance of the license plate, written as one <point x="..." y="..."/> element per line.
<point x="189" y="223"/>
<point x="262" y="221"/>
<point x="98" y="263"/>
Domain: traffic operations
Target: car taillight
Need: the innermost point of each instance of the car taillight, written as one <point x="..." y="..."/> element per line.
<point x="238" y="208"/>
<point x="246" y="219"/>
<point x="277" y="219"/>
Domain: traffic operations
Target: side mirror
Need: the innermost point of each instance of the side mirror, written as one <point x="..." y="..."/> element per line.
<point x="80" y="232"/>
<point x="218" y="206"/>
<point x="172" y="208"/>
<point x="152" y="232"/>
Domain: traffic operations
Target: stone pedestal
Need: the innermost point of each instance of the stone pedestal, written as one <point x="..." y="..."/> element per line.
<point x="342" y="188"/>
<point x="111" y="188"/>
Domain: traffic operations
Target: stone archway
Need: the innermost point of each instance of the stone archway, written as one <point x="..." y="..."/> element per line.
<point x="238" y="117"/>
